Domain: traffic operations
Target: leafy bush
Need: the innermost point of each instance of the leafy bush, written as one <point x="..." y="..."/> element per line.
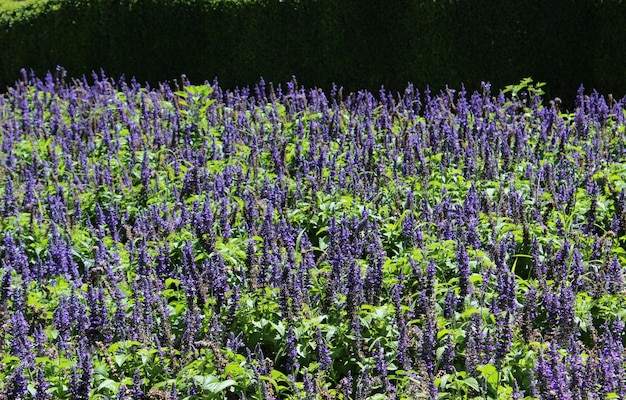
<point x="356" y="43"/>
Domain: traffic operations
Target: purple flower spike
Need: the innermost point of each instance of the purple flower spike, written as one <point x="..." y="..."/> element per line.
<point x="323" y="352"/>
<point x="21" y="345"/>
<point x="41" y="387"/>
<point x="17" y="385"/>
<point x="462" y="258"/>
<point x="291" y="351"/>
<point x="9" y="206"/>
<point x="614" y="276"/>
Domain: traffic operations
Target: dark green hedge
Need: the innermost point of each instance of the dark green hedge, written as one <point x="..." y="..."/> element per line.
<point x="355" y="43"/>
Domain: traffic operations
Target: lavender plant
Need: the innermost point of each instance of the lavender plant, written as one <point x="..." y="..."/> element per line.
<point x="280" y="242"/>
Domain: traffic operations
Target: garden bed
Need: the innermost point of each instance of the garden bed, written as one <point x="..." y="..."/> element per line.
<point x="282" y="242"/>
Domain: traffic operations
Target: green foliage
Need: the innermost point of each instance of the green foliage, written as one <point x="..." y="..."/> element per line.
<point x="526" y="91"/>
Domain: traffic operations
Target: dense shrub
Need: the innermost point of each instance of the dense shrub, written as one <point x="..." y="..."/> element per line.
<point x="355" y="43"/>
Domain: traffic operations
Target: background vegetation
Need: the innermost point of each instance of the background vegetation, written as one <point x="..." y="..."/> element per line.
<point x="354" y="43"/>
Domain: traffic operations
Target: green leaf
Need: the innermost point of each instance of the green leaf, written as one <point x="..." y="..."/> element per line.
<point x="42" y="360"/>
<point x="443" y="381"/>
<point x="440" y="351"/>
<point x="109" y="384"/>
<point x="233" y="369"/>
<point x="212" y="383"/>
<point x="490" y="373"/>
<point x="442" y="333"/>
<point x="469" y="312"/>
<point x="120" y="359"/>
<point x="219" y="386"/>
<point x="204" y="380"/>
<point x="146" y="355"/>
<point x="279" y="376"/>
<point x="472" y="382"/>
<point x="167" y="382"/>
<point x="377" y="396"/>
<point x="8" y="360"/>
<point x="101" y="370"/>
<point x="280" y="328"/>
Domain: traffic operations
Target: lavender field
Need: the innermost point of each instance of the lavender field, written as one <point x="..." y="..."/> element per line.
<point x="280" y="242"/>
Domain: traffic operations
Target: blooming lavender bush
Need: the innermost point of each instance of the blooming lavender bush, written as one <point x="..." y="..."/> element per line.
<point x="188" y="242"/>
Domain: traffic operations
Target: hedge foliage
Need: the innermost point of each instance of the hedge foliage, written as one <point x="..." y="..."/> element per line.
<point x="355" y="43"/>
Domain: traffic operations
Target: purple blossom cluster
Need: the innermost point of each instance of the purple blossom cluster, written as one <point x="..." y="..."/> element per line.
<point x="298" y="244"/>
